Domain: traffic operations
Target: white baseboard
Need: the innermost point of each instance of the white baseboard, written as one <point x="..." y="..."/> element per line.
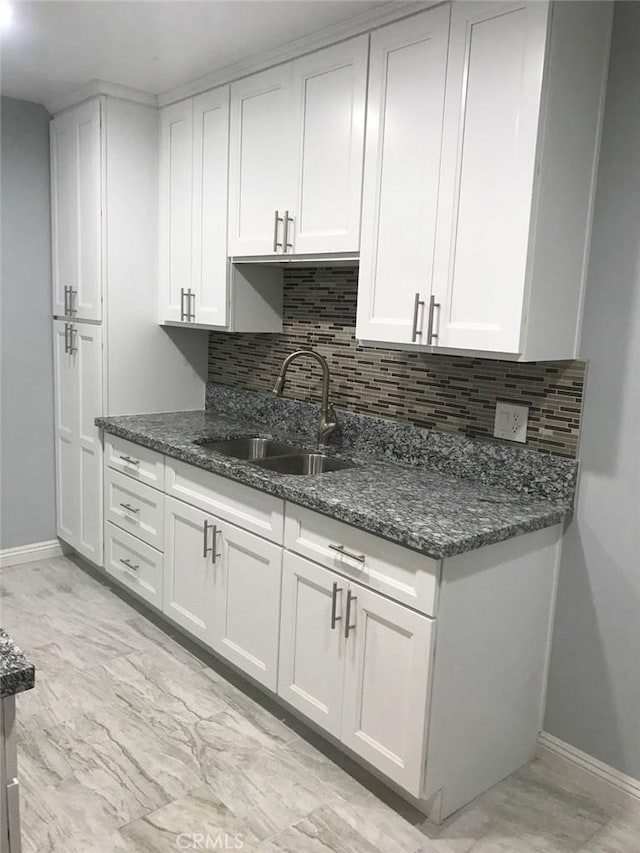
<point x="29" y="553"/>
<point x="596" y="777"/>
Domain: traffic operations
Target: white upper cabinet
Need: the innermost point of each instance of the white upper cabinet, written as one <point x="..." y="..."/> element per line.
<point x="76" y="190"/>
<point x="296" y="154"/>
<point x="261" y="178"/>
<point x="494" y="84"/>
<point x="210" y="174"/>
<point x="329" y="92"/>
<point x="193" y="209"/>
<point x="477" y="191"/>
<point x="402" y="166"/>
<point x="176" y="201"/>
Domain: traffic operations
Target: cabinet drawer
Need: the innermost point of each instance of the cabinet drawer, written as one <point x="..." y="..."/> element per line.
<point x="135" y="507"/>
<point x="404" y="575"/>
<point x="134" y="563"/>
<point x="248" y="508"/>
<point x="135" y="461"/>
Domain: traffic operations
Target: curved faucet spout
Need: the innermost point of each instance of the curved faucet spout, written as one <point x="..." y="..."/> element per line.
<point x="328" y="419"/>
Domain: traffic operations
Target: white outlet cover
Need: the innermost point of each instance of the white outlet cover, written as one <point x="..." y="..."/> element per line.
<point x="511" y="422"/>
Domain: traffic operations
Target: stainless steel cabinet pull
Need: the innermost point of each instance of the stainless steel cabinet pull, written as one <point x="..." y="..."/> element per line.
<point x="431" y="335"/>
<point x="125" y="562"/>
<point x="72" y="333"/>
<point x="277" y="219"/>
<point x="130" y="460"/>
<point x="66" y="300"/>
<point x="360" y="558"/>
<point x="416" y="311"/>
<point x="181" y="304"/>
<point x="205" y="534"/>
<point x="334" y="602"/>
<point x="285" y="236"/>
<point x="129" y="508"/>
<point x="73" y="294"/>
<point x="206" y="549"/>
<point x="191" y="305"/>
<point x="67" y="348"/>
<point x="347" y="622"/>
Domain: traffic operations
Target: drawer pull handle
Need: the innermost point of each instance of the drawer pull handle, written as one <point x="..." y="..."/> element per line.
<point x="129" y="508"/>
<point x="347" y="624"/>
<point x="334" y="602"/>
<point x="359" y="558"/>
<point x="130" y="460"/>
<point x="129" y="565"/>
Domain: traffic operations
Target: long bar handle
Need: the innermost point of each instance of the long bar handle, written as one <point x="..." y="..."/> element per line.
<point x="347" y="623"/>
<point x="359" y="558"/>
<point x="66" y="300"/>
<point x="67" y="326"/>
<point x="277" y="218"/>
<point x="190" y="314"/>
<point x="72" y="332"/>
<point x="416" y="311"/>
<point x="206" y="548"/>
<point x="182" y="311"/>
<point x="334" y="603"/>
<point x="125" y="562"/>
<point x="431" y="335"/>
<point x="285" y="237"/>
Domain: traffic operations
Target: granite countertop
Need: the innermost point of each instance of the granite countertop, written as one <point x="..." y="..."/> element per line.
<point x="422" y="507"/>
<point x="16" y="673"/>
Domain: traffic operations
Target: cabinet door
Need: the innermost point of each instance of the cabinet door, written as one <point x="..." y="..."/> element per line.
<point x="311" y="666"/>
<point x="176" y="195"/>
<point x="494" y="80"/>
<point x="246" y="623"/>
<point x="66" y="435"/>
<point x="261" y="167"/>
<point x="386" y="686"/>
<point x="189" y="583"/>
<point x="76" y="198"/>
<point x="210" y="177"/>
<point x="329" y="95"/>
<point x="401" y="172"/>
<point x="86" y="340"/>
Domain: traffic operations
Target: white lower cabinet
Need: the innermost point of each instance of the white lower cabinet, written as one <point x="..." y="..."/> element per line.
<point x="188" y="570"/>
<point x="311" y="642"/>
<point x="222" y="584"/>
<point x="246" y="605"/>
<point x="386" y="685"/>
<point x="359" y="665"/>
<point x="78" y="399"/>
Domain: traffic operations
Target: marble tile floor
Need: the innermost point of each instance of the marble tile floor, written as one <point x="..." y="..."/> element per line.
<point x="136" y="741"/>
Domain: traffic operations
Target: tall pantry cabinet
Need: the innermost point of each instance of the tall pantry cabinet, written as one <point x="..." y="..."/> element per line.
<point x="110" y="355"/>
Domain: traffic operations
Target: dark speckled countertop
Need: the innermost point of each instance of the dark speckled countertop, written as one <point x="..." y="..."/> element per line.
<point x="433" y="492"/>
<point x="16" y="673"/>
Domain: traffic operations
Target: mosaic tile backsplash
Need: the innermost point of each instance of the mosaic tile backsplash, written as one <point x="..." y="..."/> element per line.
<point x="442" y="392"/>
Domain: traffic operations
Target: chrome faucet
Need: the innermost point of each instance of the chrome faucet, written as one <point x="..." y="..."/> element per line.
<point x="328" y="419"/>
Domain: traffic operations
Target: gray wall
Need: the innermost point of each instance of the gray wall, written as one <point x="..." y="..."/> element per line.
<point x="594" y="686"/>
<point x="27" y="498"/>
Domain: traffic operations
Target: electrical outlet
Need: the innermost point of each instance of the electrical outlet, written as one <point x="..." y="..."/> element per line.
<point x="511" y="422"/>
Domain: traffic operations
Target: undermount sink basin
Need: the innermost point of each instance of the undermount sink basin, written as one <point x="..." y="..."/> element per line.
<point x="305" y="463"/>
<point x="250" y="447"/>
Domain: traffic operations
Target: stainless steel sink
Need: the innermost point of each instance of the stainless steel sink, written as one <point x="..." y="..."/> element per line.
<point x="250" y="447"/>
<point x="305" y="463"/>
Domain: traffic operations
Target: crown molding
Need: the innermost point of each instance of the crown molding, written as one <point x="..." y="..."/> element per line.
<point x="101" y="87"/>
<point x="363" y="23"/>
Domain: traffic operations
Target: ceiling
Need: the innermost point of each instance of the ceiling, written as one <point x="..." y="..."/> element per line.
<point x="53" y="47"/>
